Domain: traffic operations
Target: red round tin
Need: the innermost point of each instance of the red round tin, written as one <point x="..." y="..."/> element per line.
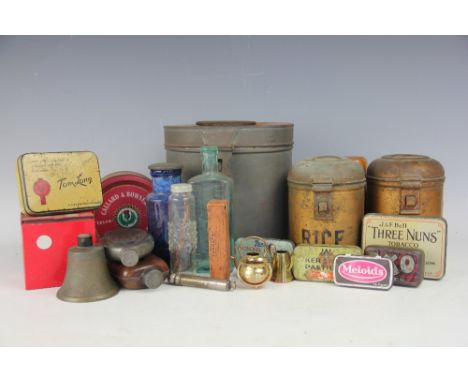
<point x="124" y="201"/>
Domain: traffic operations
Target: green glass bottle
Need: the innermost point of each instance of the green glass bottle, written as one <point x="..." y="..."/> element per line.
<point x="211" y="184"/>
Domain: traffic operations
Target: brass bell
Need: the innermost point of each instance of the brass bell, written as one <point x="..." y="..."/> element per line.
<point x="87" y="278"/>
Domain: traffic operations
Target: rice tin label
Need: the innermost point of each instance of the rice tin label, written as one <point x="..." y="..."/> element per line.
<point x="354" y="271"/>
<point x="410" y="232"/>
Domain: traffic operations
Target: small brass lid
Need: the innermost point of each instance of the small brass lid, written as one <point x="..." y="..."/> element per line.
<point x="404" y="167"/>
<point x="327" y="171"/>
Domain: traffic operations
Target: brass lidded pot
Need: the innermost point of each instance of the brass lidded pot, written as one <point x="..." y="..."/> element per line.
<point x="405" y="184"/>
<point x="326" y="201"/>
<point x="253" y="269"/>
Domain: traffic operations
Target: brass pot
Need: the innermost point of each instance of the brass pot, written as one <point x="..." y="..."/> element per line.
<point x="253" y="269"/>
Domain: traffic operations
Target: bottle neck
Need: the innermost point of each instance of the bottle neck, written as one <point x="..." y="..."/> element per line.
<point x="209" y="162"/>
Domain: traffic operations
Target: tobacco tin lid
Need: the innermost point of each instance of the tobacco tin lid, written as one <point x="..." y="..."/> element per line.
<point x="128" y="178"/>
<point x="251" y="244"/>
<point x="363" y="272"/>
<point x="405" y="167"/>
<point x="58" y="182"/>
<point x="165" y="166"/>
<point x="327" y="172"/>
<point x="281" y="245"/>
<point x="416" y="232"/>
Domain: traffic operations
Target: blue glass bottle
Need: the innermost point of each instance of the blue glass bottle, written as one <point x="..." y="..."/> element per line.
<point x="164" y="175"/>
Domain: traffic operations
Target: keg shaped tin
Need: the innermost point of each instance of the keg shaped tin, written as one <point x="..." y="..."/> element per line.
<point x="124" y="201"/>
<point x="412" y="232"/>
<point x="326" y="201"/>
<point x="405" y="184"/>
<point x="58" y="182"/>
<point x="315" y="262"/>
<point x="256" y="155"/>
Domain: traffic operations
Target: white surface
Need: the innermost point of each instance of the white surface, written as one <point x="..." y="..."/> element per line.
<point x="298" y="313"/>
<point x="365" y="96"/>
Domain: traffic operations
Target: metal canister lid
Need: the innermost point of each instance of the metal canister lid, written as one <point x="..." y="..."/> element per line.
<point x="235" y="136"/>
<point x="404" y="167"/>
<point x="165" y="166"/>
<point x="127" y="245"/>
<point x="327" y="172"/>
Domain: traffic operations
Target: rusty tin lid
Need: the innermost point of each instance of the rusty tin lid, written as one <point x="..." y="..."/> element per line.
<point x="235" y="136"/>
<point x="405" y="167"/>
<point x="327" y="172"/>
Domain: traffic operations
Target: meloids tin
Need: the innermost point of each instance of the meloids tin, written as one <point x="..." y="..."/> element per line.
<point x="363" y="272"/>
<point x="404" y="184"/>
<point x="326" y="201"/>
<point x="408" y="264"/>
<point x="124" y="202"/>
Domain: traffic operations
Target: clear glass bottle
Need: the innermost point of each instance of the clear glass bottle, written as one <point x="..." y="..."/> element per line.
<point x="157" y="204"/>
<point x="209" y="185"/>
<point x="182" y="227"/>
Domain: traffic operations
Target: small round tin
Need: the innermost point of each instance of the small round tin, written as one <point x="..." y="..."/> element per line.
<point x="124" y="201"/>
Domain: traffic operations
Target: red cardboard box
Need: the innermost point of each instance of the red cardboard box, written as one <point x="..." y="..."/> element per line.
<point x="46" y="240"/>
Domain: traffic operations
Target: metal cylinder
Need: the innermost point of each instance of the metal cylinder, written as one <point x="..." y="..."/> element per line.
<point x="326" y="201"/>
<point x="200" y="282"/>
<point x="256" y="155"/>
<point x="405" y="184"/>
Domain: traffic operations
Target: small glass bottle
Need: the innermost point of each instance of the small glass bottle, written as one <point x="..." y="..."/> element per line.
<point x="209" y="185"/>
<point x="157" y="203"/>
<point x="182" y="227"/>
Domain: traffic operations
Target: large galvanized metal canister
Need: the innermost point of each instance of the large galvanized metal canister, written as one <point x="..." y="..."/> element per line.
<point x="326" y="201"/>
<point x="405" y="184"/>
<point x="256" y="155"/>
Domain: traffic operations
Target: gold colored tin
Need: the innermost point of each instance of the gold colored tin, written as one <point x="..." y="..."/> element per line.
<point x="326" y="201"/>
<point x="58" y="182"/>
<point x="315" y="262"/>
<point x="404" y="184"/>
<point x="410" y="232"/>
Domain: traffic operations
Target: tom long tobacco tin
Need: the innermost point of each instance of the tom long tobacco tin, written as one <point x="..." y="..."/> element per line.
<point x="408" y="264"/>
<point x="411" y="232"/>
<point x="363" y="272"/>
<point x="58" y="182"/>
<point x="315" y="262"/>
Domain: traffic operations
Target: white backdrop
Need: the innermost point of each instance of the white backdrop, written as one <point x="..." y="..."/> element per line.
<point x="365" y="96"/>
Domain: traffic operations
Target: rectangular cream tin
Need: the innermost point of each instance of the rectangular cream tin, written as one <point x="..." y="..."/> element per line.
<point x="315" y="262"/>
<point x="413" y="232"/>
<point x="58" y="182"/>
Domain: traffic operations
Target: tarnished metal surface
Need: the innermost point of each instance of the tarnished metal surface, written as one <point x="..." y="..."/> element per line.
<point x="405" y="184"/>
<point x="58" y="182"/>
<point x="412" y="232"/>
<point x="256" y="155"/>
<point x="326" y="201"/>
<point x="315" y="262"/>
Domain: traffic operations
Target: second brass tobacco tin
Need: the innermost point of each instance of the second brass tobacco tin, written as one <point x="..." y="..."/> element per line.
<point x="315" y="262"/>
<point x="58" y="182"/>
<point x="412" y="232"/>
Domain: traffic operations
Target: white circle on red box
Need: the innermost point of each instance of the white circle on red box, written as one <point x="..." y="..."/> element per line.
<point x="44" y="242"/>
